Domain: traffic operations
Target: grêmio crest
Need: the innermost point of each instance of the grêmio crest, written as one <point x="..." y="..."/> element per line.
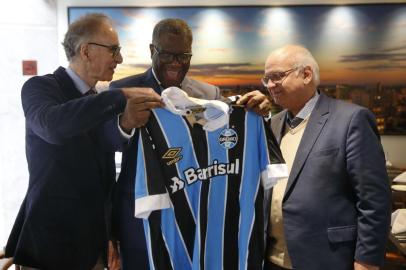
<point x="228" y="138"/>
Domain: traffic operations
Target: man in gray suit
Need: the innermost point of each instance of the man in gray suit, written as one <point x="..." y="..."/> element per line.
<point x="171" y="52"/>
<point x="333" y="211"/>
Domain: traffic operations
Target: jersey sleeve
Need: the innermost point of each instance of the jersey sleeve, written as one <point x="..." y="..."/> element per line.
<point x="273" y="166"/>
<point x="150" y="191"/>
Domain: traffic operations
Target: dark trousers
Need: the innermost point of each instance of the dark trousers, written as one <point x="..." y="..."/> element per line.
<point x="134" y="259"/>
<point x="271" y="266"/>
<point x="133" y="248"/>
<point x="99" y="266"/>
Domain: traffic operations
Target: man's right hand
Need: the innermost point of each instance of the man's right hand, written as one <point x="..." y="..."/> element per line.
<point x="139" y="103"/>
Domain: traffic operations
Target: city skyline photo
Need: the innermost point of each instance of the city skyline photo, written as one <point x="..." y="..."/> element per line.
<point x="361" y="49"/>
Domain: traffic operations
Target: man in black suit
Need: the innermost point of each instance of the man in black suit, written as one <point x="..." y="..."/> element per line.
<point x="171" y="52"/>
<point x="71" y="136"/>
<point x="333" y="211"/>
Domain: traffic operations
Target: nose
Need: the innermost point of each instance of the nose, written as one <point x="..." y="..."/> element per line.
<point x="270" y="84"/>
<point x="176" y="61"/>
<point x="119" y="58"/>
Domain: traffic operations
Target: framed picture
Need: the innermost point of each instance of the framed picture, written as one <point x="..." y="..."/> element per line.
<point x="361" y="49"/>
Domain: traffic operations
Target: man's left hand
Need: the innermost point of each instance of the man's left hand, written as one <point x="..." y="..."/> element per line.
<point x="257" y="102"/>
<point x="114" y="262"/>
<point x="363" y="266"/>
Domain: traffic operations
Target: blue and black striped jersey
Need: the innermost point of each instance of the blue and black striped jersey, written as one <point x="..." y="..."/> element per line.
<point x="201" y="193"/>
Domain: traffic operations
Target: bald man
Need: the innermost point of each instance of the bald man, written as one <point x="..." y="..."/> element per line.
<point x="333" y="211"/>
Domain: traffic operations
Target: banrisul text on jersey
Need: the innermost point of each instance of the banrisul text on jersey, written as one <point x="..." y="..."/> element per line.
<point x="191" y="175"/>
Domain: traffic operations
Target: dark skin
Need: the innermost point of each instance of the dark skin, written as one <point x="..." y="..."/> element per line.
<point x="171" y="74"/>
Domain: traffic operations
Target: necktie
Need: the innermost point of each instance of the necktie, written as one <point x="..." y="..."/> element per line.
<point x="295" y="122"/>
<point x="90" y="92"/>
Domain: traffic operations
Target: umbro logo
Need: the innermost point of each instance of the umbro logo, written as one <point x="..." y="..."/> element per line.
<point x="172" y="155"/>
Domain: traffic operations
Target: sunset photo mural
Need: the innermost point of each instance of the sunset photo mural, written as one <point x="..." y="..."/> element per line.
<point x="361" y="49"/>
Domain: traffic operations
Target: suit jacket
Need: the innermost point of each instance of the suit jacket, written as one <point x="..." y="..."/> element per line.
<point x="128" y="229"/>
<point x="70" y="144"/>
<point x="337" y="203"/>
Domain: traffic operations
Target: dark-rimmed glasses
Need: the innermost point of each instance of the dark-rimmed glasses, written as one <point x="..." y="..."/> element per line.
<point x="276" y="77"/>
<point x="114" y="49"/>
<point x="167" y="58"/>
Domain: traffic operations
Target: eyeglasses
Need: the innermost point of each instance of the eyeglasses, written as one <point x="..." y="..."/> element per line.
<point x="167" y="58"/>
<point x="276" y="77"/>
<point x="114" y="49"/>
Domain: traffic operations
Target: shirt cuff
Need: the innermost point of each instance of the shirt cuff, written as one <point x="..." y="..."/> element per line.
<point x="124" y="134"/>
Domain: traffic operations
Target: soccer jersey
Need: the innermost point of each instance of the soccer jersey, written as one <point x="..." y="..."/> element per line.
<point x="201" y="193"/>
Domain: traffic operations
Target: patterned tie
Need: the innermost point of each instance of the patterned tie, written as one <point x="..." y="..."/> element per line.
<point x="91" y="92"/>
<point x="295" y="122"/>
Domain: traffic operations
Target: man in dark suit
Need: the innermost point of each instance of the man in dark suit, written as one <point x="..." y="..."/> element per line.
<point x="333" y="211"/>
<point x="71" y="136"/>
<point x="171" y="52"/>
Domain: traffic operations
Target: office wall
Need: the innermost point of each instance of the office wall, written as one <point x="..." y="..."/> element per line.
<point x="28" y="31"/>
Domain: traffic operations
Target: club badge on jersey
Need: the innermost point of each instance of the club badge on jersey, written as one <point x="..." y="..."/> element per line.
<point x="228" y="138"/>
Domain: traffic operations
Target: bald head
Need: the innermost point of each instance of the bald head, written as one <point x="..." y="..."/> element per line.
<point x="296" y="56"/>
<point x="291" y="77"/>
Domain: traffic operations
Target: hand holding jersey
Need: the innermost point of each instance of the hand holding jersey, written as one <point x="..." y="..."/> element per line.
<point x="139" y="103"/>
<point x="257" y="102"/>
<point x="211" y="114"/>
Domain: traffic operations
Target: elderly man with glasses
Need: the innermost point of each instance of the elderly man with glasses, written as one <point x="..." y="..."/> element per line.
<point x="71" y="136"/>
<point x="171" y="52"/>
<point x="333" y="211"/>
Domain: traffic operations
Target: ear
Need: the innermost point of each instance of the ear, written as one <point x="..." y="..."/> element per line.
<point x="84" y="51"/>
<point x="151" y="49"/>
<point x="307" y="75"/>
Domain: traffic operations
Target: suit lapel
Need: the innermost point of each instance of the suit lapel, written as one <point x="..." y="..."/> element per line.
<point x="277" y="125"/>
<point x="151" y="81"/>
<point x="317" y="120"/>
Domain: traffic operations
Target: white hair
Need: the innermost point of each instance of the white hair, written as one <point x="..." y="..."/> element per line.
<point x="300" y="57"/>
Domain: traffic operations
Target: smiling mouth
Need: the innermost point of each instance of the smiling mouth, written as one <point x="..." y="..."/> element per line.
<point x="276" y="93"/>
<point x="172" y="74"/>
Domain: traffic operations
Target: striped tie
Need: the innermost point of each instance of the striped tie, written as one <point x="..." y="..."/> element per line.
<point x="295" y="122"/>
